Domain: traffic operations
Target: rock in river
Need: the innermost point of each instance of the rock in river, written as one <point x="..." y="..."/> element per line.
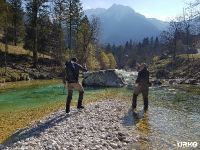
<point x="104" y="78"/>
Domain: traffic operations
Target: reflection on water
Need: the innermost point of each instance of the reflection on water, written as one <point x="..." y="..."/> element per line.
<point x="138" y="123"/>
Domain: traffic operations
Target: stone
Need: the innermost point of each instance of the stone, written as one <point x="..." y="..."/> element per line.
<point x="156" y="82"/>
<point x="190" y="81"/>
<point x="162" y="74"/>
<point x="103" y="78"/>
<point x="2" y="146"/>
<point x="98" y="130"/>
<point x="114" y="145"/>
<point x="176" y="81"/>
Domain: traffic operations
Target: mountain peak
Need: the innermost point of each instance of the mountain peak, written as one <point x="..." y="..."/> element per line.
<point x="118" y="11"/>
<point x="121" y="7"/>
<point x="121" y="23"/>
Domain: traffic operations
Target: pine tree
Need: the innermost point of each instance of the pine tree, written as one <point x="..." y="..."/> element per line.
<point x="5" y="23"/>
<point x="2" y="13"/>
<point x="73" y="20"/>
<point x="44" y="30"/>
<point x="35" y="9"/>
<point x="59" y="15"/>
<point x="83" y="39"/>
<point x="87" y="34"/>
<point x="17" y="20"/>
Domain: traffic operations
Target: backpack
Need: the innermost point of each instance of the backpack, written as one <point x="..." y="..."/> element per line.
<point x="69" y="68"/>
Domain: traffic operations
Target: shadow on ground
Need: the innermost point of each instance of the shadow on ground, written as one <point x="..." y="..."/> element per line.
<point x="35" y="131"/>
<point x="131" y="118"/>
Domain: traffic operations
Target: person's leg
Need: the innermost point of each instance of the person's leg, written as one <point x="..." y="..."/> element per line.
<point x="145" y="93"/>
<point x="69" y="98"/>
<point x="134" y="101"/>
<point x="80" y="100"/>
<point x="79" y="87"/>
<point x="135" y="94"/>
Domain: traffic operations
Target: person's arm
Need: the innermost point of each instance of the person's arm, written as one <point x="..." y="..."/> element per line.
<point x="64" y="77"/>
<point x="84" y="69"/>
<point x="150" y="84"/>
<point x="138" y="77"/>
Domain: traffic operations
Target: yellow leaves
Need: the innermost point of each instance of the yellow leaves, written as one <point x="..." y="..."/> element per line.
<point x="92" y="62"/>
<point x="104" y="60"/>
<point x="19" y="50"/>
<point x="107" y="61"/>
<point x="112" y="61"/>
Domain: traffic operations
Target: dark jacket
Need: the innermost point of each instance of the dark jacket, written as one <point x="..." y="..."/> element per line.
<point x="143" y="77"/>
<point x="72" y="71"/>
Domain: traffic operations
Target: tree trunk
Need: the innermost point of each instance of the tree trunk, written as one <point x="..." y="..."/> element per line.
<point x="15" y="30"/>
<point x="6" y="40"/>
<point x="35" y="51"/>
<point x="70" y="25"/>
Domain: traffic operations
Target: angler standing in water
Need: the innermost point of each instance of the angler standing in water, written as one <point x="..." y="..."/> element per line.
<point x="71" y="80"/>
<point x="142" y="86"/>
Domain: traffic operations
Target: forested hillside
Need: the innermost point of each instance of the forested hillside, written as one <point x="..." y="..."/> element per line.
<point x="43" y="32"/>
<point x="48" y="31"/>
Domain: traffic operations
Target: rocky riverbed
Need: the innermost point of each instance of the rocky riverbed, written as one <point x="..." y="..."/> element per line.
<point x="99" y="126"/>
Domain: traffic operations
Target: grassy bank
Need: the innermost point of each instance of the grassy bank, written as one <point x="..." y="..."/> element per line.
<point x="26" y="84"/>
<point x="185" y="66"/>
<point x="188" y="88"/>
<point x="19" y="62"/>
<point x="19" y="50"/>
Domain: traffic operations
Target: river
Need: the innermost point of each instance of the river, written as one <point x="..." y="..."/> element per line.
<point x="173" y="116"/>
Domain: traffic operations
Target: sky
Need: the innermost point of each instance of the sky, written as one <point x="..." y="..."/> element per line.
<point x="160" y="9"/>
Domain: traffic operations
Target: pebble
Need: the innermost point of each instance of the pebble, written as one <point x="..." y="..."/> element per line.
<point x="114" y="145"/>
<point x="1" y="146"/>
<point x="97" y="127"/>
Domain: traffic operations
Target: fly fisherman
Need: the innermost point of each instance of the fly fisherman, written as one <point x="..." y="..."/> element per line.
<point x="142" y="86"/>
<point x="71" y="80"/>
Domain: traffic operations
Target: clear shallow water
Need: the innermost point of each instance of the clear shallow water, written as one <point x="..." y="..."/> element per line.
<point x="36" y="96"/>
<point x="173" y="115"/>
<point x="31" y="97"/>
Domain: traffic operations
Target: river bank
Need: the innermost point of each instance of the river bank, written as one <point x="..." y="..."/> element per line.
<point x="26" y="101"/>
<point x="185" y="70"/>
<point x="97" y="127"/>
<point x="112" y="127"/>
<point x="20" y="68"/>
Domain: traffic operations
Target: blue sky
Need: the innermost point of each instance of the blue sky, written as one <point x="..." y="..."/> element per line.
<point x="160" y="9"/>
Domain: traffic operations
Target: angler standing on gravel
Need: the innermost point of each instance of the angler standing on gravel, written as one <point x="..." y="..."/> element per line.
<point x="142" y="86"/>
<point x="70" y="79"/>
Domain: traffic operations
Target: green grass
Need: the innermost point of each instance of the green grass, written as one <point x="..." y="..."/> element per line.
<point x="191" y="56"/>
<point x="163" y="63"/>
<point x="26" y="84"/>
<point x="159" y="64"/>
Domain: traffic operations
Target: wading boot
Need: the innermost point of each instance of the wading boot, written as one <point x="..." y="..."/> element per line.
<point x="80" y="99"/>
<point x="134" y="101"/>
<point x="145" y="104"/>
<point x="69" y="98"/>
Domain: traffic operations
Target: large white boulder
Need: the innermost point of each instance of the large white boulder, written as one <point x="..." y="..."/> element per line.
<point x="109" y="78"/>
